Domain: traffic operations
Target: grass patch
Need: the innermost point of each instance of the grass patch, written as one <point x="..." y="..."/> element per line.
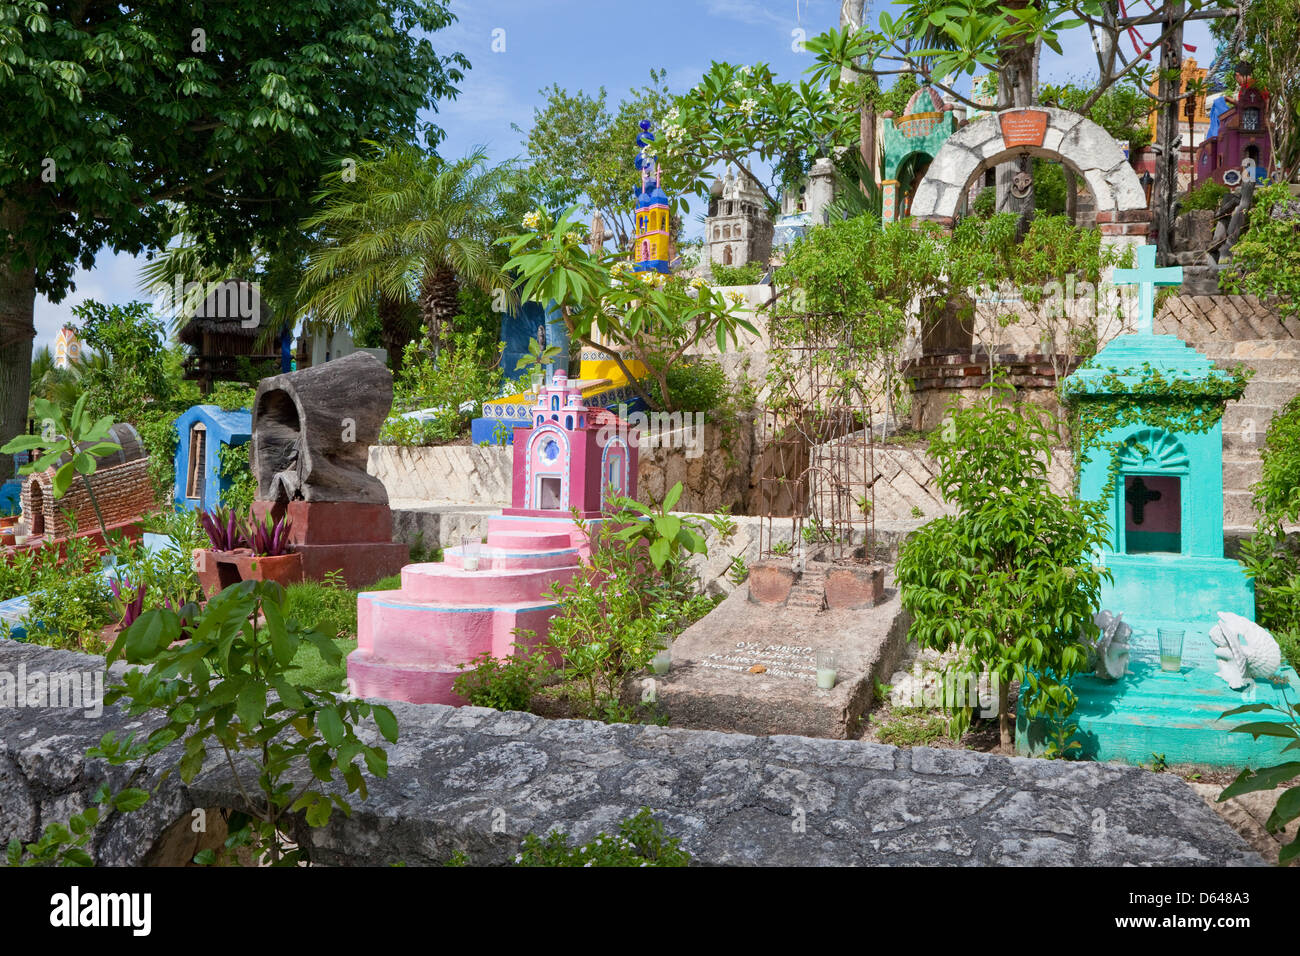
<point x="911" y="727"/>
<point x="314" y="672"/>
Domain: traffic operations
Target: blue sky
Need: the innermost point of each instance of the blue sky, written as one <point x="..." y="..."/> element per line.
<point x="586" y="44"/>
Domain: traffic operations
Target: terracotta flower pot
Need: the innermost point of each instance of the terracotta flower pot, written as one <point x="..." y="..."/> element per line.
<point x="284" y="569"/>
<point x="217" y="570"/>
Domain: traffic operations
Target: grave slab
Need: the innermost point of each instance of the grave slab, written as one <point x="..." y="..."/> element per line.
<point x="750" y="668"/>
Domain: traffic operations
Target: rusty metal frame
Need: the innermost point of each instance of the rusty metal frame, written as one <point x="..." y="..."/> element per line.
<point x="817" y="468"/>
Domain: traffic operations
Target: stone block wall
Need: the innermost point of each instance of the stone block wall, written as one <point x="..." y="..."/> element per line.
<point x="477" y="781"/>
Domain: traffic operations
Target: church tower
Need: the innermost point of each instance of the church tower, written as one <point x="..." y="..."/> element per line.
<point x="650" y="246"/>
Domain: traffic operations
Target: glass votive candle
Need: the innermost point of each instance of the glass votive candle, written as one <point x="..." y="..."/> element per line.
<point x="469" y="551"/>
<point x="1171" y="648"/>
<point x="825" y="670"/>
<point x="662" y="661"/>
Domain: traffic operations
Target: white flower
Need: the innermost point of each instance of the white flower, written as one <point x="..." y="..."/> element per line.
<point x="532" y="220"/>
<point x="571" y="238"/>
<point x="736" y="297"/>
<point x="746" y="69"/>
<point x="748" y="106"/>
<point x="673" y="114"/>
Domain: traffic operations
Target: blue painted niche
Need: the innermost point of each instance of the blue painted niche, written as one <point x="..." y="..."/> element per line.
<point x="200" y="432"/>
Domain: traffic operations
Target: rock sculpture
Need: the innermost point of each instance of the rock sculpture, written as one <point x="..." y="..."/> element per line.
<point x="312" y="431"/>
<point x="1245" y="650"/>
<point x="1110" y="654"/>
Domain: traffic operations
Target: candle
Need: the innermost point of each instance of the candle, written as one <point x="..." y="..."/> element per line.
<point x="826" y="667"/>
<point x="662" y="661"/>
<point x="469" y="552"/>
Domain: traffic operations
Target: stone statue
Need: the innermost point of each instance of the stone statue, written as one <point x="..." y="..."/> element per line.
<point x="1244" y="649"/>
<point x="598" y="234"/>
<point x="1109" y="655"/>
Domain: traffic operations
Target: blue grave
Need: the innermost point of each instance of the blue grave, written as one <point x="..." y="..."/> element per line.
<point x="201" y="432"/>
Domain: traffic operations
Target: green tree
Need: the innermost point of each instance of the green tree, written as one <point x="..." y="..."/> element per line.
<point x="113" y="111"/>
<point x="1008" y="581"/>
<point x="581" y="151"/>
<point x="741" y="115"/>
<point x="405" y="226"/>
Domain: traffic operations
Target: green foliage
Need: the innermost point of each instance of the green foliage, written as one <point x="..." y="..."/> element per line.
<point x="537" y="356"/>
<point x="224" y="679"/>
<point x="1049" y="187"/>
<point x="507" y="684"/>
<point x="404" y="226"/>
<point x="697" y="385"/>
<point x="1009" y="579"/>
<point x="985" y="202"/>
<point x="1268" y="778"/>
<point x="640" y="842"/>
<point x="233" y="466"/>
<point x="911" y="727"/>
<point x="1269" y="557"/>
<point x="580" y="150"/>
<point x="78" y="438"/>
<point x="746" y="117"/>
<point x="628" y="603"/>
<point x="1266" y="259"/>
<point x="130" y="370"/>
<point x="1122" y="110"/>
<point x="64" y="844"/>
<point x="748" y="274"/>
<point x="454" y="385"/>
<point x="653" y="318"/>
<point x="70" y="612"/>
<point x="1207" y="196"/>
<point x="327" y="606"/>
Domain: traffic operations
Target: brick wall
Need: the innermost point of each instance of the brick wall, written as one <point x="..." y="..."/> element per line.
<point x="124" y="492"/>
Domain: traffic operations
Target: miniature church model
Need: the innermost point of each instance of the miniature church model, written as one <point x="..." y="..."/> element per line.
<point x="572" y="456"/>
<point x="650" y="250"/>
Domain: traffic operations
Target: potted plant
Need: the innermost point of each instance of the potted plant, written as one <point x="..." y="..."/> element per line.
<point x="215" y="566"/>
<point x="271" y="558"/>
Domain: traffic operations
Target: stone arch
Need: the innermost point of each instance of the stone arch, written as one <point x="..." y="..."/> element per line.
<point x="1045" y="132"/>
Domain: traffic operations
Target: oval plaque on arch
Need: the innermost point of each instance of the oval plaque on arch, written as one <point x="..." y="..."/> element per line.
<point x="1023" y="127"/>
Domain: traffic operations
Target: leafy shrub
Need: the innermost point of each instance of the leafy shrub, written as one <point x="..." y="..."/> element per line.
<point x="748" y="274"/>
<point x="985" y="202"/>
<point x="507" y="684"/>
<point x="1206" y="196"/>
<point x="234" y="466"/>
<point x="463" y="377"/>
<point x="223" y="678"/>
<point x="628" y="603"/>
<point x="1268" y="556"/>
<point x="1010" y="578"/>
<point x="697" y="385"/>
<point x="1266" y="259"/>
<point x="640" y="842"/>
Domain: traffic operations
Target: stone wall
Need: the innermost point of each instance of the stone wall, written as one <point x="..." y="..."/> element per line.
<point x="711" y="461"/>
<point x="477" y="781"/>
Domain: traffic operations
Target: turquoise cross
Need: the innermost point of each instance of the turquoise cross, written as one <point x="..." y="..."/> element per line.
<point x="1146" y="277"/>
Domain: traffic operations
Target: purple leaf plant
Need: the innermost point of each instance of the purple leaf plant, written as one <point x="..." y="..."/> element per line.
<point x="224" y="529"/>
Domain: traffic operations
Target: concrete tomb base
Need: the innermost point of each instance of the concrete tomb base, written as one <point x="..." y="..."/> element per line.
<point x="412" y="641"/>
<point x="750" y="665"/>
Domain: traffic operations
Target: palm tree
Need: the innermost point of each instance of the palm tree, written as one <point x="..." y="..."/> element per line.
<point x="405" y="227"/>
<point x="58" y="385"/>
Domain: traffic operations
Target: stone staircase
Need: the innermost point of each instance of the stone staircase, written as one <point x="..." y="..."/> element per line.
<point x="1233" y="329"/>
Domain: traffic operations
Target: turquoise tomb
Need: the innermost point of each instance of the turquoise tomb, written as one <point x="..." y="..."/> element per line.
<point x="1150" y="450"/>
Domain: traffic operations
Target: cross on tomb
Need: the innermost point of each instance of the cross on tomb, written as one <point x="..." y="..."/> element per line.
<point x="1146" y="277"/>
<point x="1137" y="495"/>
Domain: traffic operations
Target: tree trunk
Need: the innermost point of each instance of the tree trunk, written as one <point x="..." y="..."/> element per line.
<point x="1017" y="88"/>
<point x="394" y="330"/>
<point x="1005" y="741"/>
<point x="17" y="330"/>
<point x="1071" y="193"/>
<point x="1166" y="180"/>
<point x="438" y="305"/>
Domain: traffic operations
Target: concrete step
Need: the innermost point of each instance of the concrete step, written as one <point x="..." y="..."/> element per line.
<point x="1240" y="416"/>
<point x="1273" y="394"/>
<point x="1251" y="351"/>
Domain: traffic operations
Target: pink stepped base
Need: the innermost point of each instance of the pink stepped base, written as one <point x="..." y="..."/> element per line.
<point x="410" y="642"/>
